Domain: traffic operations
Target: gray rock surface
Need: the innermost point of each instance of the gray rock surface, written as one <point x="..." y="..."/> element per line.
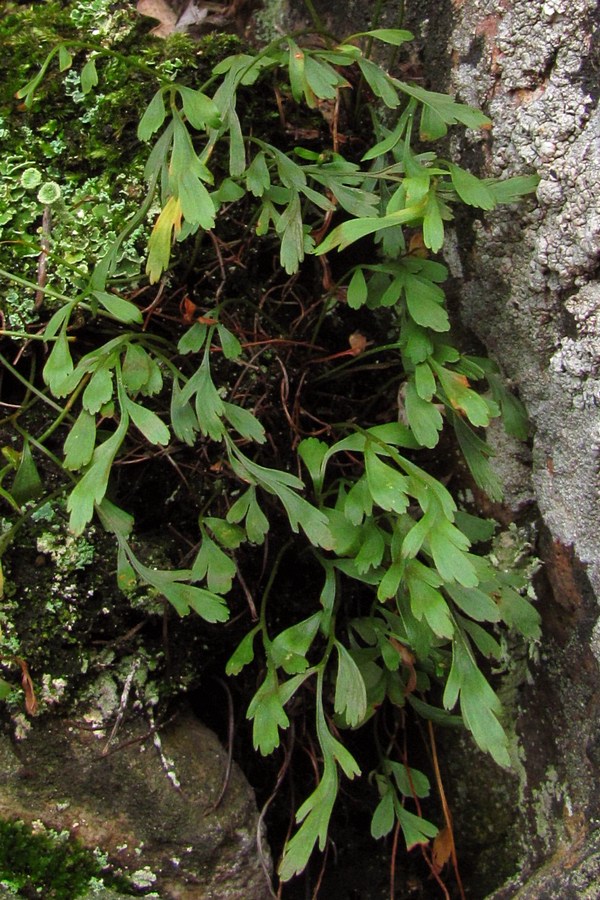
<point x="153" y="810"/>
<point x="528" y="288"/>
<point x="531" y="293"/>
<point x="574" y="874"/>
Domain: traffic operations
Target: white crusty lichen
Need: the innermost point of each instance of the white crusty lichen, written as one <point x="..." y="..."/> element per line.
<point x="529" y="292"/>
<point x="577" y="360"/>
<point x="143" y="878"/>
<point x="67" y="552"/>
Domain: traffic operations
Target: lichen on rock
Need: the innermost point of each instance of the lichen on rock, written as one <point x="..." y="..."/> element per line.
<point x="180" y="839"/>
<point x="530" y="294"/>
<point x="525" y="269"/>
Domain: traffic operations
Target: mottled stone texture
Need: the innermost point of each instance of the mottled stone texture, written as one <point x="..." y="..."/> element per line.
<point x="528" y="289"/>
<point x="153" y="809"/>
<point x="530" y="293"/>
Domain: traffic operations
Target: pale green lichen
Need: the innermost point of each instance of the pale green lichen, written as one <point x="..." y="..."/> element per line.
<point x="52" y="690"/>
<point x="104" y="697"/>
<point x="21" y="726"/>
<point x="269" y="21"/>
<point x="513" y="550"/>
<point x="41" y="164"/>
<point x="143" y="878"/>
<point x="68" y="552"/>
<point x="545" y="799"/>
<point x="101" y="18"/>
<point x="122" y="683"/>
<point x="85" y="218"/>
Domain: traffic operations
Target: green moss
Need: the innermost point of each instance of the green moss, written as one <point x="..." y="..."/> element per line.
<point x="57" y="595"/>
<point x="62" y="613"/>
<point x="40" y="863"/>
<point x="91" y="200"/>
<point x="84" y="144"/>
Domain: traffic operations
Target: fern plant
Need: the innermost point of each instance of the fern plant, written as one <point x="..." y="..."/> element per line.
<point x="360" y="501"/>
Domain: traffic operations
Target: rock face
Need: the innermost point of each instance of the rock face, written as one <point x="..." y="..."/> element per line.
<point x="528" y="289"/>
<point x="530" y="293"/>
<point x="573" y="874"/>
<point x="156" y="815"/>
<point x="531" y="296"/>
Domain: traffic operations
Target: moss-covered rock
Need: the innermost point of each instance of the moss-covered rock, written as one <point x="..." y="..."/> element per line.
<point x="35" y="861"/>
<point x="71" y="172"/>
<point x="155" y="804"/>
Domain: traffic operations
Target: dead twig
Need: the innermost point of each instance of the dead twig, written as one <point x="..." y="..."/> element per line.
<point x="155" y="303"/>
<point x="122" y="704"/>
<point x="393" y="861"/>
<point x="248" y="595"/>
<point x="136" y="740"/>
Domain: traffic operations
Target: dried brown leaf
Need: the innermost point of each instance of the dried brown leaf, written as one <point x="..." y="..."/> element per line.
<point x="31" y="703"/>
<point x="442" y="849"/>
<point x="171" y="20"/>
<point x="163" y="12"/>
<point x="408" y="660"/>
<point x="417" y="246"/>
